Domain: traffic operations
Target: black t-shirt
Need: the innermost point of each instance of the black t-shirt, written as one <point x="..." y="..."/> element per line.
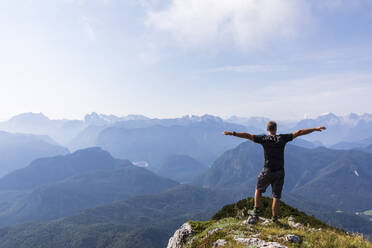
<point x="274" y="149"/>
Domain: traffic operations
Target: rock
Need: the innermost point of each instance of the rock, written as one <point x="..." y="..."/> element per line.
<point x="293" y="224"/>
<point x="211" y="232"/>
<point x="219" y="242"/>
<point x="259" y="243"/>
<point x="256" y="235"/>
<point x="293" y="238"/>
<point x="251" y="220"/>
<point x="180" y="237"/>
<point x="265" y="221"/>
<point x="244" y="222"/>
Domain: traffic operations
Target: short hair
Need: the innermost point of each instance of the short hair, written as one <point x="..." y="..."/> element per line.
<point x="271" y="126"/>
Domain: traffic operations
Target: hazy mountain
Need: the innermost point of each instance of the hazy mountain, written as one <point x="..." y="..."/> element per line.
<point x="258" y="124"/>
<point x="181" y="168"/>
<point x="62" y="131"/>
<point x="305" y="143"/>
<point x="18" y="150"/>
<point x="345" y="220"/>
<point x="38" y="120"/>
<point x="55" y="187"/>
<point x="344" y="183"/>
<point x="343" y="177"/>
<point x="142" y="221"/>
<point x="52" y="169"/>
<point x="59" y="130"/>
<point x="102" y="119"/>
<point x="349" y="128"/>
<point x="344" y="145"/>
<point x="69" y="196"/>
<point x="86" y="138"/>
<point x="368" y="148"/>
<point x="192" y="136"/>
<point x="89" y="136"/>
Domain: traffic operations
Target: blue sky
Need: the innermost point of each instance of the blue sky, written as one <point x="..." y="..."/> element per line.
<point x="167" y="58"/>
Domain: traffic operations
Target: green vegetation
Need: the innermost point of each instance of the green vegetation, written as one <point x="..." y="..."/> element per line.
<point x="228" y="224"/>
<point x="241" y="208"/>
<point x="142" y="221"/>
<point x="368" y="212"/>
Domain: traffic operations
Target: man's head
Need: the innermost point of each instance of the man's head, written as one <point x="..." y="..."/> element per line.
<point x="271" y="127"/>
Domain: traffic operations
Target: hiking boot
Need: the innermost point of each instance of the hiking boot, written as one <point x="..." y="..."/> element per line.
<point x="275" y="220"/>
<point x="252" y="220"/>
<point x="256" y="213"/>
<point x="254" y="216"/>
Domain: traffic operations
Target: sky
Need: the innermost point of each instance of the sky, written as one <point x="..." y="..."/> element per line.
<point x="285" y="59"/>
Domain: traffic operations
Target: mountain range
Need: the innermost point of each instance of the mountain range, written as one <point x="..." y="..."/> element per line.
<point x="181" y="168"/>
<point x="348" y="128"/>
<point x="157" y="142"/>
<point x="93" y="198"/>
<point x="141" y="221"/>
<point x="89" y="198"/>
<point x="18" y="150"/>
<point x="343" y="177"/>
<point x="51" y="188"/>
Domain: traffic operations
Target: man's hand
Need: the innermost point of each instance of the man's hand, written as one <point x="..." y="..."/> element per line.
<point x="227" y="133"/>
<point x="321" y="128"/>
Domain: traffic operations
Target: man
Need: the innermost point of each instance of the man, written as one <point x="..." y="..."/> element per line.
<point x="273" y="171"/>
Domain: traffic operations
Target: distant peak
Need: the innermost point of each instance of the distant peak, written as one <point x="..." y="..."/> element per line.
<point x="328" y="117"/>
<point x="353" y="116"/>
<point x="205" y="117"/>
<point x="29" y="116"/>
<point x="328" y="114"/>
<point x="135" y="117"/>
<point x="91" y="150"/>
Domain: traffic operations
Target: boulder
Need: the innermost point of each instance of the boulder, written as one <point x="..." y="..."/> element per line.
<point x="181" y="236"/>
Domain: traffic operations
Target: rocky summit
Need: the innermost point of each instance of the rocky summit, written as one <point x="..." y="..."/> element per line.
<point x="230" y="227"/>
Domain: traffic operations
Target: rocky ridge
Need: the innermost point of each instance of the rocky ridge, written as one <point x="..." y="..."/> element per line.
<point x="230" y="227"/>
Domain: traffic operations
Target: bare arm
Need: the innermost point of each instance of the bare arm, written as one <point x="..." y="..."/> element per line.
<point x="307" y="131"/>
<point x="240" y="135"/>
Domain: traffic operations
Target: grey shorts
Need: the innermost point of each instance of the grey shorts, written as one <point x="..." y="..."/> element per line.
<point x="276" y="179"/>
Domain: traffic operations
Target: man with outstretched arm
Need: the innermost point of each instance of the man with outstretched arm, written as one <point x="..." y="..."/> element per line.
<point x="273" y="171"/>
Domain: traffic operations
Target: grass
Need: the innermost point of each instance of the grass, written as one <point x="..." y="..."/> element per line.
<point x="240" y="209"/>
<point x="227" y="224"/>
<point x="368" y="212"/>
<point x="231" y="227"/>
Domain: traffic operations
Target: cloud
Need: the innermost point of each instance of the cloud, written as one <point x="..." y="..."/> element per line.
<point x="90" y="26"/>
<point x="340" y="5"/>
<point x="248" y="24"/>
<point x="313" y="95"/>
<point x="88" y="30"/>
<point x="149" y="53"/>
<point x="250" y="68"/>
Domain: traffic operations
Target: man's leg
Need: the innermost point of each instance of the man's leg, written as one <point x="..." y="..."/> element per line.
<point x="275" y="206"/>
<point x="263" y="181"/>
<point x="277" y="187"/>
<point x="257" y="198"/>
